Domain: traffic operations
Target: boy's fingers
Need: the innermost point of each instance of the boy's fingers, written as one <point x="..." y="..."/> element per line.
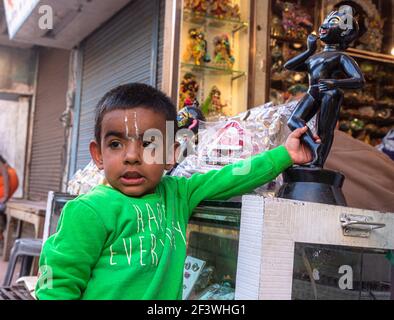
<point x="317" y="138"/>
<point x="299" y="132"/>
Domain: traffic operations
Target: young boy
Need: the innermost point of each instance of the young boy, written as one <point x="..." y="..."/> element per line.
<point x="128" y="240"/>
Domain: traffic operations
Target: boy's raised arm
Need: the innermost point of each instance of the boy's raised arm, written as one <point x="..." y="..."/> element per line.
<point x="68" y="256"/>
<point x="245" y="176"/>
<point x="237" y="179"/>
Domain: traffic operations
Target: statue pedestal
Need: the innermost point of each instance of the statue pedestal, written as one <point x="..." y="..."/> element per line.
<point x="313" y="185"/>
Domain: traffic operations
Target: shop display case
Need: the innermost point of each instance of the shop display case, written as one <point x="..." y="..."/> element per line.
<point x="212" y="237"/>
<point x="298" y="250"/>
<point x="214" y="55"/>
<point x="268" y="248"/>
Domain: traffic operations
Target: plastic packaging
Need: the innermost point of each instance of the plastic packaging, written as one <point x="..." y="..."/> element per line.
<point x="85" y="179"/>
<point x="236" y="138"/>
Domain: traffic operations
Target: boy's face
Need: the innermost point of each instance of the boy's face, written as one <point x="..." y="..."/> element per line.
<point x="133" y="159"/>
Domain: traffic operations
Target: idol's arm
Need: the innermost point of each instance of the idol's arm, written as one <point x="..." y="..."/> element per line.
<point x="298" y="63"/>
<point x="356" y="79"/>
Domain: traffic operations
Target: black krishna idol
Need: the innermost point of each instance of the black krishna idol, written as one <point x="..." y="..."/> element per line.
<point x="330" y="71"/>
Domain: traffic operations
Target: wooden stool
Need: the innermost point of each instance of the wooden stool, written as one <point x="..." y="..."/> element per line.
<point x="26" y="211"/>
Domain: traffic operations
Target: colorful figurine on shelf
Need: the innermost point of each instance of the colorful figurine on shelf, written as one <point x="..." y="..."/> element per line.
<point x="198" y="7"/>
<point x="188" y="89"/>
<point x="330" y="71"/>
<point x="297" y="23"/>
<point x="296" y="92"/>
<point x="372" y="40"/>
<point x="212" y="105"/>
<point x="222" y="52"/>
<point x="220" y="8"/>
<point x="197" y="48"/>
<point x="304" y="22"/>
<point x="190" y="116"/>
<point x="277" y="27"/>
<point x="289" y="19"/>
<point x="224" y="9"/>
<point x="234" y="13"/>
<point x="277" y="62"/>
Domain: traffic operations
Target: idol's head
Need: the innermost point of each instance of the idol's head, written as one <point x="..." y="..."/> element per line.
<point x="339" y="28"/>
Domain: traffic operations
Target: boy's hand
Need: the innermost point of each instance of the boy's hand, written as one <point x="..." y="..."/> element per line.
<point x="299" y="152"/>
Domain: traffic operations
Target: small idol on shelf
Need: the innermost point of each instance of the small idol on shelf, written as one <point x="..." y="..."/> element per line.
<point x="224" y="9"/>
<point x="304" y="21"/>
<point x="356" y="125"/>
<point x="344" y="125"/>
<point x="212" y="106"/>
<point x="277" y="27"/>
<point x="220" y="8"/>
<point x="235" y="13"/>
<point x="277" y="63"/>
<point x="297" y="23"/>
<point x="371" y="37"/>
<point x="222" y="52"/>
<point x="188" y="89"/>
<point x="296" y="92"/>
<point x="358" y="98"/>
<point x="190" y="116"/>
<point x="369" y="69"/>
<point x="197" y="48"/>
<point x="198" y="7"/>
<point x="289" y="20"/>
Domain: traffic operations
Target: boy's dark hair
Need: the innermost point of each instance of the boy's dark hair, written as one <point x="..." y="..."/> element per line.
<point x="131" y="96"/>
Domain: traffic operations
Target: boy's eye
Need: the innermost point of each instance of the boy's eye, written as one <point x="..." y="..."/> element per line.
<point x="115" y="145"/>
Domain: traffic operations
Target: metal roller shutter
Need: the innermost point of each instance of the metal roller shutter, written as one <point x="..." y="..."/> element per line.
<point x="48" y="133"/>
<point x="123" y="50"/>
<point x="159" y="69"/>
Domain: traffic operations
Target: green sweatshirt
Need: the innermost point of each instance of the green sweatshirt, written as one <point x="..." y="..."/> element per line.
<point x="112" y="246"/>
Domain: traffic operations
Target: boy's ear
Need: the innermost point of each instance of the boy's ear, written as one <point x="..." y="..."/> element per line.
<point x="173" y="155"/>
<point x="95" y="152"/>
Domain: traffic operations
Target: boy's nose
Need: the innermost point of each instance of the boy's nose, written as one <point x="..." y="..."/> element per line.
<point x="133" y="152"/>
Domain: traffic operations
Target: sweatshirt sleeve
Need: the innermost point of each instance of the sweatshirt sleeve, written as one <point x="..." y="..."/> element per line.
<point x="69" y="255"/>
<point x="237" y="179"/>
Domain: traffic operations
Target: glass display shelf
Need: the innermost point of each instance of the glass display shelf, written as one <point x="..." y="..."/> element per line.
<point x="378" y="121"/>
<point x="212" y="70"/>
<point x="232" y="25"/>
<point x="212" y="241"/>
<point x="221" y="213"/>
